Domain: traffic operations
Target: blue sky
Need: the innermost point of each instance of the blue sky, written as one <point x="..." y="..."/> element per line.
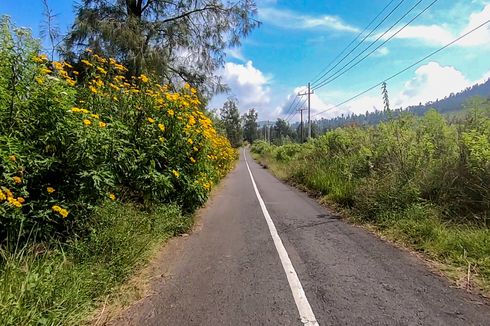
<point x="298" y="39"/>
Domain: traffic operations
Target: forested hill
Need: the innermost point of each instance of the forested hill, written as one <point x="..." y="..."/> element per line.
<point x="450" y="104"/>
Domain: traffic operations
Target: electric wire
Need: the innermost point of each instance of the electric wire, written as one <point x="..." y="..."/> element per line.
<point x="341" y="71"/>
<point x="352" y="42"/>
<point x="300" y="104"/>
<point x="362" y="41"/>
<point x="404" y="70"/>
<point x="288" y="110"/>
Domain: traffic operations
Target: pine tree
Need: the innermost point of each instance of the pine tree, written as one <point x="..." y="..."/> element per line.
<point x="386" y="100"/>
<point x="177" y="39"/>
<point x="250" y="126"/>
<point x="230" y="115"/>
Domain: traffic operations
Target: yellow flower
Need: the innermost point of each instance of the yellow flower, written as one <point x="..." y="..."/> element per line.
<point x="102" y="70"/>
<point x="151" y="120"/>
<point x="87" y="63"/>
<point x="40" y="58"/>
<point x="195" y="149"/>
<point x="161" y="126"/>
<point x="50" y="190"/>
<point x="144" y="79"/>
<point x="98" y="82"/>
<point x="2" y="196"/>
<point x="12" y="158"/>
<point x="120" y="67"/>
<point x="39" y="80"/>
<point x="64" y="213"/>
<point x="170" y="112"/>
<point x="17" y="180"/>
<point x="8" y="193"/>
<point x="21" y="200"/>
<point x="87" y="122"/>
<point x="56" y="208"/>
<point x="114" y="87"/>
<point x="93" y="89"/>
<point x="190" y="141"/>
<point x="45" y="70"/>
<point x="112" y="196"/>
<point x="176" y="173"/>
<point x="14" y="202"/>
<point x="193" y="160"/>
<point x="102" y="124"/>
<point x="57" y="65"/>
<point x="161" y="139"/>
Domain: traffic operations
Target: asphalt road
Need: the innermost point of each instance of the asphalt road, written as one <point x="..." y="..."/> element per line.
<point x="231" y="272"/>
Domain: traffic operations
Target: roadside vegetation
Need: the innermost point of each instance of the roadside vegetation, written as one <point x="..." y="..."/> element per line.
<point x="97" y="166"/>
<point x="421" y="182"/>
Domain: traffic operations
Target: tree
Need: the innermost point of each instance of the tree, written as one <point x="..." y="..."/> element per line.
<point x="250" y="126"/>
<point x="50" y="30"/>
<point x="230" y="115"/>
<point x="281" y="130"/>
<point x="176" y="39"/>
<point x="386" y="99"/>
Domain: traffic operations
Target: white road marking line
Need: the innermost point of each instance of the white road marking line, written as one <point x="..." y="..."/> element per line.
<point x="304" y="308"/>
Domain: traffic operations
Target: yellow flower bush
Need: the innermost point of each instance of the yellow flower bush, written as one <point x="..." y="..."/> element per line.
<point x="87" y="132"/>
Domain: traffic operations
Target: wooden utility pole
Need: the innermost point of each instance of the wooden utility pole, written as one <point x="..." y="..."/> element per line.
<point x="301" y="124"/>
<point x="268" y="131"/>
<point x="308" y="93"/>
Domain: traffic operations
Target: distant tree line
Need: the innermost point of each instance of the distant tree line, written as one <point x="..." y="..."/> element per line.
<point x="471" y="97"/>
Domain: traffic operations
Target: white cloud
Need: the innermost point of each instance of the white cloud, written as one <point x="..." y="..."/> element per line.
<point x="236" y="53"/>
<point x="381" y="52"/>
<point x="481" y="36"/>
<point x="431" y="81"/>
<point x="430" y="34"/>
<point x="317" y="105"/>
<point x="289" y="19"/>
<point x="247" y="83"/>
<point x="437" y="35"/>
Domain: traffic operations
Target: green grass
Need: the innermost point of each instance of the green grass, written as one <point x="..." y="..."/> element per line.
<point x="62" y="284"/>
<point x="420" y="227"/>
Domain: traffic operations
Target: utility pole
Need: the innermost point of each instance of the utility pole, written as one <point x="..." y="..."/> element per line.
<point x="308" y="93"/>
<point x="301" y="125"/>
<point x="268" y="131"/>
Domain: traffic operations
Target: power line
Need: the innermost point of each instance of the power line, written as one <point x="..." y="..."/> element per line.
<point x="407" y="68"/>
<point x="340" y="73"/>
<point x="288" y="110"/>
<point x="292" y="111"/>
<point x="300" y="104"/>
<point x="362" y="41"/>
<point x="352" y="42"/>
<point x="295" y="110"/>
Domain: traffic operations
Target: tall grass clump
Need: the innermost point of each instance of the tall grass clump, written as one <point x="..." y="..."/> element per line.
<point x="423" y="180"/>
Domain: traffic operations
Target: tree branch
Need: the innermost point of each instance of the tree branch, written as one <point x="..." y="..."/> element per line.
<point x="186" y="14"/>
